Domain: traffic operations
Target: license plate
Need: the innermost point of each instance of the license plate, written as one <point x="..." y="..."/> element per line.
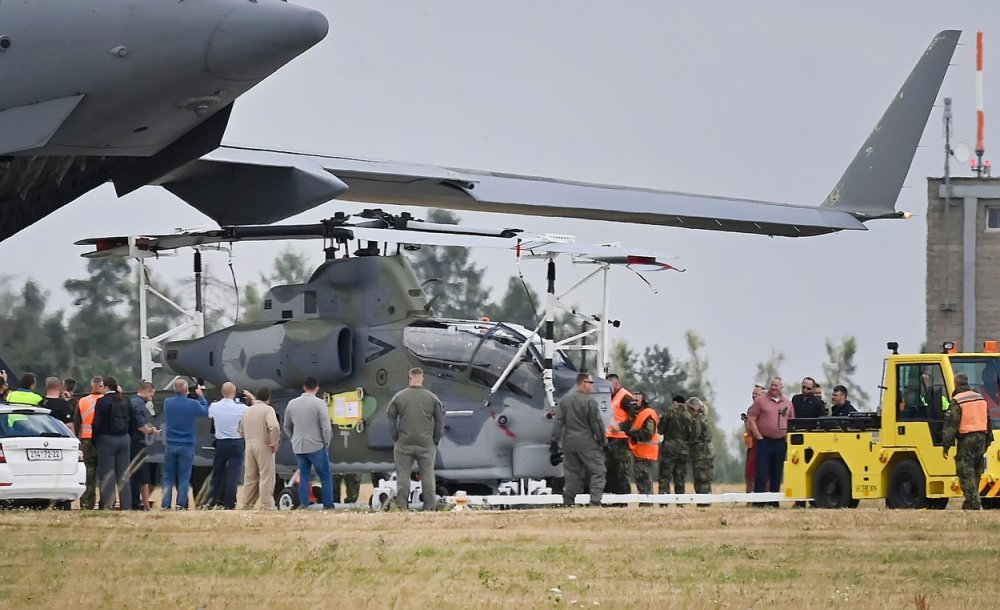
<point x="44" y="454"/>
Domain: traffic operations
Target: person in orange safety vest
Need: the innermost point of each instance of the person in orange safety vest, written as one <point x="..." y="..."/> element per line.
<point x="969" y="424"/>
<point x="644" y="442"/>
<point x="617" y="455"/>
<point x="83" y="421"/>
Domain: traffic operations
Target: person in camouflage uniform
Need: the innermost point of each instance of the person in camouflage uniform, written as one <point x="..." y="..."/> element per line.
<point x="352" y="487"/>
<point x="643" y="443"/>
<point x="968" y="421"/>
<point x="676" y="427"/>
<point x="617" y="457"/>
<point x="702" y="451"/>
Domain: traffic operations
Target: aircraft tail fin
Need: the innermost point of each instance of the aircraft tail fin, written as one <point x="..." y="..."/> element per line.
<point x="870" y="185"/>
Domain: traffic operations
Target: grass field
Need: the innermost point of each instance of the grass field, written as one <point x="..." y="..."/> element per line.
<point x="729" y="557"/>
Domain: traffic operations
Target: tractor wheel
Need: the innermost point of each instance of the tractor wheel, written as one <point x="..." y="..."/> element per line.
<point x="832" y="485"/>
<point x="907" y="486"/>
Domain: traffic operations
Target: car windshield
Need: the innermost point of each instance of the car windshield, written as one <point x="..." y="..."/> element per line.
<point x="984" y="377"/>
<point x="20" y="424"/>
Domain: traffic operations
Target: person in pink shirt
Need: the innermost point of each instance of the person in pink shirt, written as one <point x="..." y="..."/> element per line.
<point x="768" y="422"/>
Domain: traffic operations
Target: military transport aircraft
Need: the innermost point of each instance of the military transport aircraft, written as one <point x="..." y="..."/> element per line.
<point x="361" y="322"/>
<point x="126" y="90"/>
<point x="86" y="110"/>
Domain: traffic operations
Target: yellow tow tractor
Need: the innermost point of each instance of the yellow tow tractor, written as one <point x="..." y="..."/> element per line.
<point x="896" y="452"/>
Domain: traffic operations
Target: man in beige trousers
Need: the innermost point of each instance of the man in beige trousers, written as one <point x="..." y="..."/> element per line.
<point x="259" y="427"/>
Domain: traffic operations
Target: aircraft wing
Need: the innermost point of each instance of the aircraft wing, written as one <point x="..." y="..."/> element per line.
<point x="235" y="185"/>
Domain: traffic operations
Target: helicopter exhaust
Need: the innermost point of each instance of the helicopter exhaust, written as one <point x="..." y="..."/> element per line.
<point x="279" y="354"/>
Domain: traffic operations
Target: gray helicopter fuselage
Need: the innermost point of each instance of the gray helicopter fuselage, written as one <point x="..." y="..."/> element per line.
<point x="363" y="323"/>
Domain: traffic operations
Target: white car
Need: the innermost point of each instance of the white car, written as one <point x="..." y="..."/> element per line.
<point x="40" y="459"/>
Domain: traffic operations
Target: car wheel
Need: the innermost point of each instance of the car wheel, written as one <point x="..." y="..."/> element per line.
<point x="832" y="485"/>
<point x="288" y="499"/>
<point x="907" y="486"/>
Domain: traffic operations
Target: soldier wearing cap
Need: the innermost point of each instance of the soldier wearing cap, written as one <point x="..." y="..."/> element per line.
<point x="702" y="451"/>
<point x="579" y="429"/>
<point x="676" y="427"/>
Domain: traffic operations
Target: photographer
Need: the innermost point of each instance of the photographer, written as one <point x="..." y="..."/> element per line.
<point x="229" y="447"/>
<point x="180" y="412"/>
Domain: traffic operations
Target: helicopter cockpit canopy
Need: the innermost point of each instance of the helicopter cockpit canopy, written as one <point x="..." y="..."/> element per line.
<point x="483" y="350"/>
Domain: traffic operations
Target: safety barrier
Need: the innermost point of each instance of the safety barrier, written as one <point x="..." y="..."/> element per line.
<point x="583" y="499"/>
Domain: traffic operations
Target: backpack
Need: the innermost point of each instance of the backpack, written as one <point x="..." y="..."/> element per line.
<point x="121" y="414"/>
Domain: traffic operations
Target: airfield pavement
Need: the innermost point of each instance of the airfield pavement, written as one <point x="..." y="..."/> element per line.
<point x="671" y="557"/>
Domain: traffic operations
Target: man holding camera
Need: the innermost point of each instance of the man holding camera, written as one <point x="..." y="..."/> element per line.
<point x="229" y="446"/>
<point x="180" y="412"/>
<point x="579" y="427"/>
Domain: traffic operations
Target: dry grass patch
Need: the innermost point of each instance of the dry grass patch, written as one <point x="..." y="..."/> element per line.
<point x="730" y="557"/>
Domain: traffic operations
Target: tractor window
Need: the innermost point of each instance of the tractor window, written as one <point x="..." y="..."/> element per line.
<point x="984" y="377"/>
<point x="921" y="394"/>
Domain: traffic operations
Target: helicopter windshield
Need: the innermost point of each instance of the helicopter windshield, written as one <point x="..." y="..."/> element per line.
<point x="488" y="348"/>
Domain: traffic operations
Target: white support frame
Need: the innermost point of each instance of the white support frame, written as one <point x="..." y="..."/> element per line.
<point x="149" y="345"/>
<point x="552" y="302"/>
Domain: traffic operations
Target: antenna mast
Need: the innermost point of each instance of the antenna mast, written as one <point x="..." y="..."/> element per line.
<point x="981" y="168"/>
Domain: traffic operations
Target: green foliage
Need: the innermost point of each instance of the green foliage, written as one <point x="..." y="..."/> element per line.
<point x="770" y="368"/>
<point x="104" y="339"/>
<point x="840" y="369"/>
<point x="292" y="266"/>
<point x="452" y="282"/>
<point x="728" y="465"/>
<point x="696" y="368"/>
<point x="660" y="376"/>
<point x="32" y="339"/>
<point x="519" y="304"/>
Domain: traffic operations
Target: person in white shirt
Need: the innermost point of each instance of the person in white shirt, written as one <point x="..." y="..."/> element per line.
<point x="229" y="447"/>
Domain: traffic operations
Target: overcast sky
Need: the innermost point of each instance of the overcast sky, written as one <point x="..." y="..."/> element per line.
<point x="760" y="100"/>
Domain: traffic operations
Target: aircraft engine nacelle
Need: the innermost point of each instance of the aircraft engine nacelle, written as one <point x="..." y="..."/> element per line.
<point x="275" y="355"/>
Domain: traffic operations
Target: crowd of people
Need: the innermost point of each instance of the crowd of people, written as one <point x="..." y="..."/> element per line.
<point x="115" y="430"/>
<point x="115" y="433"/>
<point x="608" y="458"/>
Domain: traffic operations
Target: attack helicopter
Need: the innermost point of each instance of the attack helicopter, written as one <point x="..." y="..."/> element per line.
<point x="362" y="320"/>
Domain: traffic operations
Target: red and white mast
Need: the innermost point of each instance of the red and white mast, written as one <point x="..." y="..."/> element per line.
<point x="978" y="166"/>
